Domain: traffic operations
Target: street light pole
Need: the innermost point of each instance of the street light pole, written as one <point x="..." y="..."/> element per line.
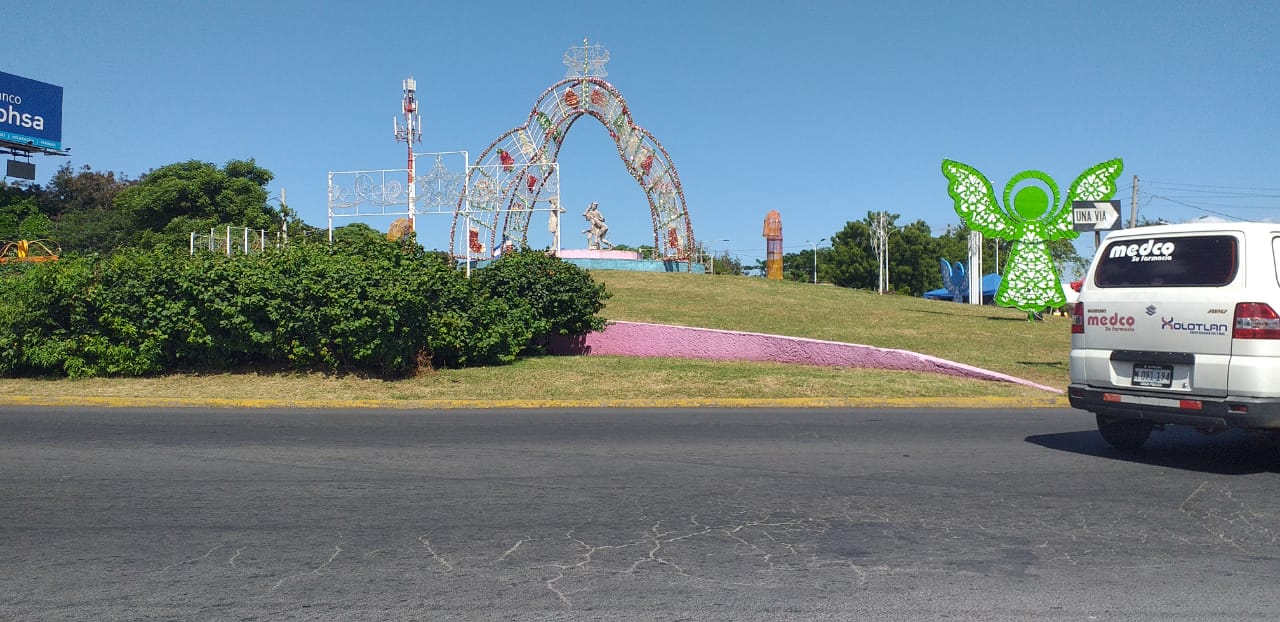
<point x="815" y="257"/>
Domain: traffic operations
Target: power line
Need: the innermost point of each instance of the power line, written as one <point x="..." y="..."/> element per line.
<point x="1195" y="207"/>
<point x="1190" y="186"/>
<point x="1202" y="194"/>
<point x="1216" y="199"/>
<point x="1214" y="194"/>
<point x="1221" y="205"/>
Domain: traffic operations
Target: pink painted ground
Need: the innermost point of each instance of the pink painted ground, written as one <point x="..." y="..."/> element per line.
<point x="639" y="339"/>
<point x="585" y="253"/>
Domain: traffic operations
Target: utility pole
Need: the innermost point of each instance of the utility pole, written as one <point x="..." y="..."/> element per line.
<point x="880" y="242"/>
<point x="1133" y="205"/>
<point x="409" y="134"/>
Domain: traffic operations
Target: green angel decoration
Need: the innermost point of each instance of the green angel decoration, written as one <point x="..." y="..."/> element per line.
<point x="1031" y="281"/>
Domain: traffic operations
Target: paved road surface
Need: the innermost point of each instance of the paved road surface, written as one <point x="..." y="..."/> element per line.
<point x="937" y="514"/>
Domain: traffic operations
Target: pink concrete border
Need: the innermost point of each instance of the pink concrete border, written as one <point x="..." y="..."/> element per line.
<point x="587" y="253"/>
<point x="651" y="340"/>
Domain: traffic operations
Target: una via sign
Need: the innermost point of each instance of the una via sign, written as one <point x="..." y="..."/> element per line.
<point x="1095" y="215"/>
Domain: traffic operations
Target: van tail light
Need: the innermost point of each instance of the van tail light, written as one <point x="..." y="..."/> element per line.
<point x="1077" y="318"/>
<point x="1256" y="320"/>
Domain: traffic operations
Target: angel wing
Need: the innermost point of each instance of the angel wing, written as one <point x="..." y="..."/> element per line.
<point x="975" y="201"/>
<point x="1098" y="183"/>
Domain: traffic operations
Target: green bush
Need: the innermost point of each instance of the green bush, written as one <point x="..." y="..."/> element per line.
<point x="361" y="305"/>
<point x="123" y="315"/>
<point x="563" y="298"/>
<point x="42" y="315"/>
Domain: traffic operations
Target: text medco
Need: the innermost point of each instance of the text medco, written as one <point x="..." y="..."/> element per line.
<point x="1115" y="319"/>
<point x="1151" y="250"/>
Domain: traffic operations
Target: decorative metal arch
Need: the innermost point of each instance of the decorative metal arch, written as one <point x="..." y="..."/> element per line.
<point x="511" y="174"/>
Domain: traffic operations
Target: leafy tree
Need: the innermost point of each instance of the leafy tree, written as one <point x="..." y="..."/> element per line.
<point x="646" y="250"/>
<point x="953" y="244"/>
<point x="913" y="259"/>
<point x="798" y="266"/>
<point x="20" y="215"/>
<point x="851" y="260"/>
<point x="172" y="201"/>
<point x="357" y="235"/>
<point x="80" y="203"/>
<point x="85" y="190"/>
<point x="913" y="256"/>
<point x="1066" y="258"/>
<point x="724" y="263"/>
<point x="995" y="252"/>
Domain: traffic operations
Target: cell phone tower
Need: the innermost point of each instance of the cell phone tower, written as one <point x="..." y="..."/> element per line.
<point x="409" y="134"/>
<point x="773" y="245"/>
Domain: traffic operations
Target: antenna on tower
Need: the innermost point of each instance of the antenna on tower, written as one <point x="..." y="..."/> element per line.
<point x="409" y="134"/>
<point x="412" y="131"/>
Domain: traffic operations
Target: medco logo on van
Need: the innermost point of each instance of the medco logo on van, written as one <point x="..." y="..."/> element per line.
<point x="1115" y="322"/>
<point x="1194" y="328"/>
<point x="1151" y="250"/>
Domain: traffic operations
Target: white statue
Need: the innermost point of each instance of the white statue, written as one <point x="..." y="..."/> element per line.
<point x="598" y="229"/>
<point x="553" y="221"/>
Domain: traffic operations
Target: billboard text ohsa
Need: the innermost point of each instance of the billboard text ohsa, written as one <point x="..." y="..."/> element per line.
<point x="30" y="112"/>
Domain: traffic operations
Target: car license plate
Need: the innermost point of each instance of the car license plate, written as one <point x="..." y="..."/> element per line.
<point x="1145" y="375"/>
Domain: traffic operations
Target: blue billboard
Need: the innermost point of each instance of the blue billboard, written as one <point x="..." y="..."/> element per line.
<point x="30" y="112"/>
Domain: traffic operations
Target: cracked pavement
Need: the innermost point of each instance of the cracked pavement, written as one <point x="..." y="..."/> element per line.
<point x="627" y="514"/>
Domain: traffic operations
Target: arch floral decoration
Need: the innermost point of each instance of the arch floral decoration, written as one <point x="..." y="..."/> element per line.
<point x="511" y="174"/>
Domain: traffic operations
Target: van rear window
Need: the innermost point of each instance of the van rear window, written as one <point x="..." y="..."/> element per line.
<point x="1191" y="261"/>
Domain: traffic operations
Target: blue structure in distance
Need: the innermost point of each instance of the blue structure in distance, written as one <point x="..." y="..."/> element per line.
<point x="954" y="280"/>
<point x="955" y="284"/>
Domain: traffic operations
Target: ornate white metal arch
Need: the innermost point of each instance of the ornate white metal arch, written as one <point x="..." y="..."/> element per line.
<point x="512" y="172"/>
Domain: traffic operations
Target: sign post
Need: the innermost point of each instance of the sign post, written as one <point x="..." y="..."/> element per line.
<point x="1095" y="216"/>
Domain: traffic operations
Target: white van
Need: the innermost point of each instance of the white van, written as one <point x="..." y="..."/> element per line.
<point x="1178" y="324"/>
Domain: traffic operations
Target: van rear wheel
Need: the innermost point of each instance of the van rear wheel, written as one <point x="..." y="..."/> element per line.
<point x="1125" y="434"/>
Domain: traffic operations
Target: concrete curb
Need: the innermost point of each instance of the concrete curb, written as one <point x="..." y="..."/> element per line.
<point x="1053" y="401"/>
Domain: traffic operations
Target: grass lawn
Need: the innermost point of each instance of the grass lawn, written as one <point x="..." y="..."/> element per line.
<point x="990" y="337"/>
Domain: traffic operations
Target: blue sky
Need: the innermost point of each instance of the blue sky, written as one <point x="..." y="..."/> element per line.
<point x="823" y="111"/>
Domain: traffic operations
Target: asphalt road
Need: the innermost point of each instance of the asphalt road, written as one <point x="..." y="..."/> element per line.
<point x="195" y="514"/>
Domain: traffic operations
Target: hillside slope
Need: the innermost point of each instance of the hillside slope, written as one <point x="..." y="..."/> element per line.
<point x="994" y="338"/>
